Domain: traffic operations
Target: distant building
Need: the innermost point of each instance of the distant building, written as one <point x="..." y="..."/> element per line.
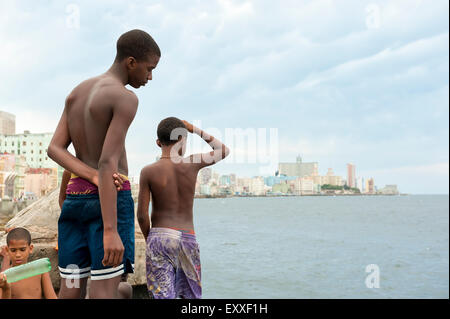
<point x="7" y="123"/>
<point x="360" y="184"/>
<point x="205" y="175"/>
<point x="214" y="177"/>
<point x="233" y="179"/>
<point x="256" y="186"/>
<point x="299" y="168"/>
<point x="370" y="186"/>
<point x="351" y="176"/>
<point x="12" y="174"/>
<point x="329" y="179"/>
<point x="205" y="190"/>
<point x="224" y="180"/>
<point x="282" y="188"/>
<point x="41" y="181"/>
<point x="243" y="185"/>
<point x="273" y="180"/>
<point x="304" y="186"/>
<point x="31" y="145"/>
<point x="389" y="190"/>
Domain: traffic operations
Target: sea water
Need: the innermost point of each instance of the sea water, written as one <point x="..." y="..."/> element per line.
<point x="324" y="247"/>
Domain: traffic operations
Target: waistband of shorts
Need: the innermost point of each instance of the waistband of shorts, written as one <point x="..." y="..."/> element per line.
<point x="171" y="232"/>
<point x="80" y="186"/>
<point x="121" y="194"/>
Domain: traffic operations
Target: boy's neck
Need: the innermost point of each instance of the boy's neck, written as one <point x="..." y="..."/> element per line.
<point x="117" y="70"/>
<point x="166" y="152"/>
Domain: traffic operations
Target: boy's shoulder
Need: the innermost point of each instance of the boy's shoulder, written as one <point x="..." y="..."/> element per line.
<point x="149" y="169"/>
<point x="104" y="87"/>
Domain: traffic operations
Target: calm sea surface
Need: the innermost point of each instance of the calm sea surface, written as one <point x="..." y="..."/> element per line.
<point x="319" y="247"/>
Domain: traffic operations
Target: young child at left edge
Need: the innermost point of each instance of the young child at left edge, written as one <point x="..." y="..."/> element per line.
<point x="16" y="252"/>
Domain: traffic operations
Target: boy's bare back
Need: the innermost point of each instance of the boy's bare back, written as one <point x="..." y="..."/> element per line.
<point x="89" y="113"/>
<point x="170" y="182"/>
<point x="172" y="186"/>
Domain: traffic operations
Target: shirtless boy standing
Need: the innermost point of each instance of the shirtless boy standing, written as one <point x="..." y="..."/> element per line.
<point x="172" y="254"/>
<point x="96" y="225"/>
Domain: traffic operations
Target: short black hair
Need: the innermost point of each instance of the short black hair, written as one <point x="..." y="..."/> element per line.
<point x="170" y="127"/>
<point x="18" y="233"/>
<point x="137" y="44"/>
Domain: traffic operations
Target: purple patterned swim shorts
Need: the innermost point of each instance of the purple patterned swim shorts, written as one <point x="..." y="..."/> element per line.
<point x="173" y="264"/>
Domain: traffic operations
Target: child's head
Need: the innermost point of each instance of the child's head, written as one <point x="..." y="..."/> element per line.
<point x="19" y="246"/>
<point x="140" y="54"/>
<point x="171" y="131"/>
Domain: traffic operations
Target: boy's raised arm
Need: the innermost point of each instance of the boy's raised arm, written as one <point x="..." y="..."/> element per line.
<point x="123" y="114"/>
<point x="220" y="150"/>
<point x="57" y="151"/>
<point x="143" y="204"/>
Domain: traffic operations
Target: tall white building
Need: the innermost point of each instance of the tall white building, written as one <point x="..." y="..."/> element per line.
<point x="360" y="184"/>
<point x="7" y="123"/>
<point x="351" y="175"/>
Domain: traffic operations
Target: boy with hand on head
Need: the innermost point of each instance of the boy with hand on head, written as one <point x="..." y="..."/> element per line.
<point x="172" y="252"/>
<point x="18" y="250"/>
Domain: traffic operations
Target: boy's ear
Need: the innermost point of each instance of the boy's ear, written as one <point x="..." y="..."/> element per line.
<point x="131" y="62"/>
<point x="31" y="248"/>
<point x="158" y="142"/>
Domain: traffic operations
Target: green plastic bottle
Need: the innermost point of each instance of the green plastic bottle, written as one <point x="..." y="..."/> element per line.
<point x="27" y="270"/>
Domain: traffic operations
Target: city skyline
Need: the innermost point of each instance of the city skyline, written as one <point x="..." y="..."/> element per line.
<point x="364" y="82"/>
<point x="312" y="168"/>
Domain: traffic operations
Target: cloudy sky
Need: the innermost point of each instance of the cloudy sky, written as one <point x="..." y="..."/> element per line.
<point x="354" y="81"/>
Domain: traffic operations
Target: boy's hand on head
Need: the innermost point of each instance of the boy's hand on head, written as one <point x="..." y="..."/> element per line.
<point x="189" y="126"/>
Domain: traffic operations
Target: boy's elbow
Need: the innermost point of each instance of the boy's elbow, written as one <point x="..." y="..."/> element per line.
<point x="51" y="151"/>
<point x="141" y="217"/>
<point x="107" y="163"/>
